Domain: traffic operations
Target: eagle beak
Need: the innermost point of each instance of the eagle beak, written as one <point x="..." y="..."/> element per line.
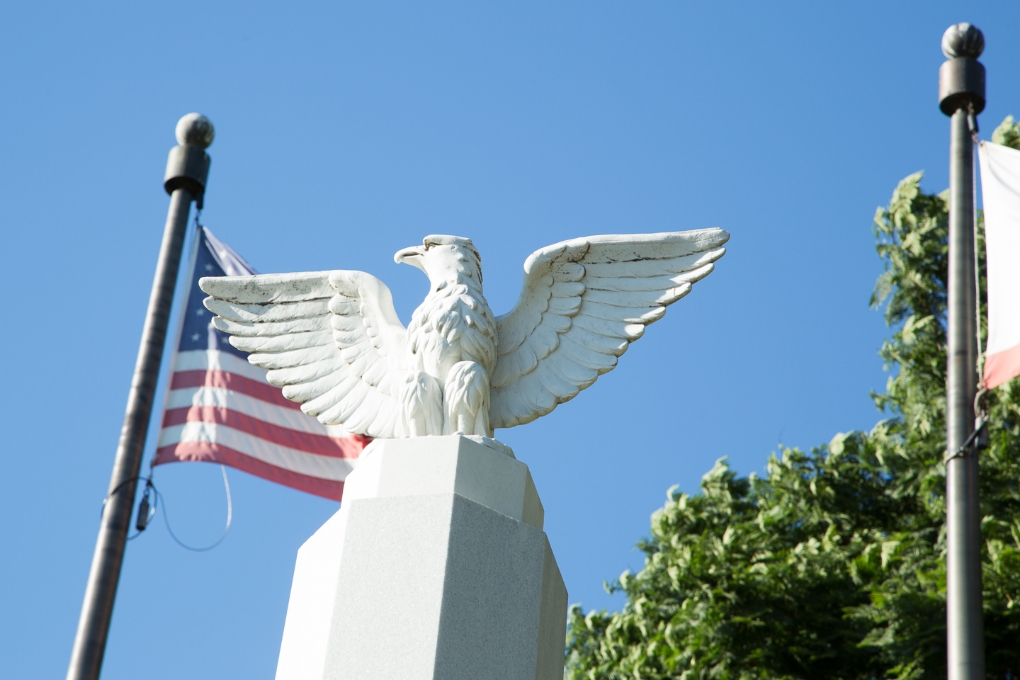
<point x="411" y="256"/>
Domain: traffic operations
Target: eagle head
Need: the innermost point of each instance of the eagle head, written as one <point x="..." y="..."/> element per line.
<point x="442" y="257"/>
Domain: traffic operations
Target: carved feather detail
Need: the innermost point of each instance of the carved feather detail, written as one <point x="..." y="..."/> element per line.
<point x="584" y="301"/>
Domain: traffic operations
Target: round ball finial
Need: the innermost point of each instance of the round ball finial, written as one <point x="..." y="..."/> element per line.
<point x="963" y="40"/>
<point x="194" y="129"/>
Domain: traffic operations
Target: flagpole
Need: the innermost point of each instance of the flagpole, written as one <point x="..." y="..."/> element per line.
<point x="186" y="173"/>
<point x="962" y="97"/>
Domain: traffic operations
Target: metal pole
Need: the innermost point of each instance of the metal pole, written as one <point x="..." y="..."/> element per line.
<point x="962" y="96"/>
<point x="187" y="170"/>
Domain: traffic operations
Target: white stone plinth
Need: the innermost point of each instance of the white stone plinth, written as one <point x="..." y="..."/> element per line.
<point x="435" y="567"/>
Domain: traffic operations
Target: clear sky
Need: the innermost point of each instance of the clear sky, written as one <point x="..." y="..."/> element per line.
<point x="348" y="131"/>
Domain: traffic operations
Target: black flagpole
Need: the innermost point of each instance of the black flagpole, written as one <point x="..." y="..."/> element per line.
<point x="962" y="97"/>
<point x="186" y="173"/>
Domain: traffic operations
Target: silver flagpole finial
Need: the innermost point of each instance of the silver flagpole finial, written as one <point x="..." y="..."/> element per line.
<point x="962" y="77"/>
<point x="194" y="129"/>
<point x="963" y="40"/>
<point x="187" y="166"/>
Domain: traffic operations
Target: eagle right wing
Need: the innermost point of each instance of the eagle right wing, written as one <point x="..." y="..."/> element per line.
<point x="584" y="301"/>
<point x="331" y="340"/>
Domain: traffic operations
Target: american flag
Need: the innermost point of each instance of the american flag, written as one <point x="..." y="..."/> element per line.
<point x="221" y="409"/>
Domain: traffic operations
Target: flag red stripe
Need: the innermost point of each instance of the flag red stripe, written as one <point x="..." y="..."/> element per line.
<point x="1002" y="367"/>
<point x="335" y="447"/>
<point x="217" y="453"/>
<point x="232" y="381"/>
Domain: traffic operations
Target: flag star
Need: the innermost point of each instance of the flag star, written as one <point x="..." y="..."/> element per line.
<point x="195" y="337"/>
<point x="200" y="311"/>
<point x="208" y="267"/>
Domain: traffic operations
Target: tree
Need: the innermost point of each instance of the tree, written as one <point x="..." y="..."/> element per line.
<point x="832" y="565"/>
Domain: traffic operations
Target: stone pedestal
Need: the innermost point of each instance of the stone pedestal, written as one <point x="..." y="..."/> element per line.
<point x="435" y="567"/>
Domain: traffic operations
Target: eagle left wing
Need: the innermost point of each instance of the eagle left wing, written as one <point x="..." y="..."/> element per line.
<point x="331" y="340"/>
<point x="584" y="301"/>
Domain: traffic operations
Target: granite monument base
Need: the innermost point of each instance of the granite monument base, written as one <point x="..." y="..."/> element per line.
<point x="435" y="567"/>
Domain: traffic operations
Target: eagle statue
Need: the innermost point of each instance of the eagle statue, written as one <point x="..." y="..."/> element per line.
<point x="333" y="342"/>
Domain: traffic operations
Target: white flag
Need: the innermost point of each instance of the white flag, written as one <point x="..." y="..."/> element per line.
<point x="1000" y="190"/>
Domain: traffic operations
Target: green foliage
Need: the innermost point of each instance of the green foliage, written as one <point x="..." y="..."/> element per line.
<point x="1008" y="133"/>
<point x="833" y="564"/>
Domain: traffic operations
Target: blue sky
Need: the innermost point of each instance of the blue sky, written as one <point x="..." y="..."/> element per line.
<point x="348" y="131"/>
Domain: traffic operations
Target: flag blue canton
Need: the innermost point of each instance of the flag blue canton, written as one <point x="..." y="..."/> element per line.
<point x="212" y="258"/>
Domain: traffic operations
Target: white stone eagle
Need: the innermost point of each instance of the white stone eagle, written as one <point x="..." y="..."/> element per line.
<point x="333" y="342"/>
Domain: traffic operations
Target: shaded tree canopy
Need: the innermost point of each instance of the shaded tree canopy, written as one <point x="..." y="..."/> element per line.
<point x="832" y="565"/>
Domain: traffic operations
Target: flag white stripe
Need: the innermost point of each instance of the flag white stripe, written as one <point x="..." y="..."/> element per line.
<point x="221" y="397"/>
<point x="214" y="360"/>
<point x="1000" y="184"/>
<point x="309" y="464"/>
